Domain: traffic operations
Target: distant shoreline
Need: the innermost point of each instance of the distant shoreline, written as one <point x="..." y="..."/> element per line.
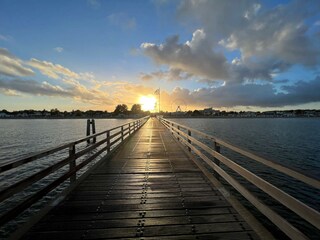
<point x="49" y="118"/>
<point x="263" y="117"/>
<point x="182" y="117"/>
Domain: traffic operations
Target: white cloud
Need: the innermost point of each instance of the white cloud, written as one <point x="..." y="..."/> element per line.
<point x="266" y="43"/>
<point x="279" y="33"/>
<point x="58" y="49"/>
<point x="5" y="38"/>
<point x="194" y="57"/>
<point x="67" y="83"/>
<point x="122" y="20"/>
<point x="270" y="41"/>
<point x="75" y="91"/>
<point x="52" y="70"/>
<point x="94" y="3"/>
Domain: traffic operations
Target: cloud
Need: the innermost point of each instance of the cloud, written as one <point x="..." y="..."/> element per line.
<point x="122" y="20"/>
<point x="194" y="57"/>
<point x="33" y="87"/>
<point x="68" y="84"/>
<point x="5" y="38"/>
<point x="74" y="91"/>
<point x="12" y="66"/>
<point x="173" y="74"/>
<point x="9" y="92"/>
<point x="218" y="18"/>
<point x="258" y="95"/>
<point x="279" y="32"/>
<point x="94" y="3"/>
<point x="52" y="70"/>
<point x="13" y="82"/>
<point x="269" y="41"/>
<point x="58" y="49"/>
<point x="146" y="77"/>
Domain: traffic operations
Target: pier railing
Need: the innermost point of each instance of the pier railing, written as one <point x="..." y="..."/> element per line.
<point x="75" y="156"/>
<point x="212" y="157"/>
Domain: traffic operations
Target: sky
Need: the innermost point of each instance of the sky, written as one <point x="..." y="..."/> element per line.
<point x="92" y="54"/>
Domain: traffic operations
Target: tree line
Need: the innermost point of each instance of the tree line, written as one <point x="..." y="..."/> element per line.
<point x="120" y="109"/>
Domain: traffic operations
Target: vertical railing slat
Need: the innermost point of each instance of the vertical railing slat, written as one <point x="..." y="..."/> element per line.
<point x="189" y="140"/>
<point x="72" y="164"/>
<point x="108" y="141"/>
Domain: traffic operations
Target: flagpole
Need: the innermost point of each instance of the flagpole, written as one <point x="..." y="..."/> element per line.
<point x="159" y="100"/>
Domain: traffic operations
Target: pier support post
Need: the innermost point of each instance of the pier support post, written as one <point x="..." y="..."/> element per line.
<point x="189" y="141"/>
<point x="216" y="161"/>
<point x="72" y="164"/>
<point x="89" y="123"/>
<point x="94" y="130"/>
<point x="88" y="130"/>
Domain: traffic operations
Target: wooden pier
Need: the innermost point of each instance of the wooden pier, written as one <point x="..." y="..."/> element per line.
<point x="152" y="187"/>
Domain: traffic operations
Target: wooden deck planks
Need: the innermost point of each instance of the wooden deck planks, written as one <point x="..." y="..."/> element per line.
<point x="149" y="190"/>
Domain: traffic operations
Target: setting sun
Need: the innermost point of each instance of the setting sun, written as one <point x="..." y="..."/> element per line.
<point x="148" y="103"/>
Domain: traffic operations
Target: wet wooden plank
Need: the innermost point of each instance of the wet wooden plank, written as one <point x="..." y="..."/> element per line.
<point x="150" y="189"/>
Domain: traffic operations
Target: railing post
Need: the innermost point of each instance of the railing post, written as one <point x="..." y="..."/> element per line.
<point x="129" y="129"/>
<point x="108" y="141"/>
<point x="121" y="133"/>
<point x="216" y="161"/>
<point x="72" y="164"/>
<point x="189" y="141"/>
<point x="172" y="128"/>
<point x="178" y="132"/>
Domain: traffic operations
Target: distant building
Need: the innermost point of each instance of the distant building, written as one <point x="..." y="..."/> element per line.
<point x="249" y="114"/>
<point x="178" y="114"/>
<point x="22" y="114"/>
<point x="209" y="112"/>
<point x="4" y="115"/>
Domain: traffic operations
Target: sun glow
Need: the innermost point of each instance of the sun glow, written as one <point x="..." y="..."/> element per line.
<point x="148" y="103"/>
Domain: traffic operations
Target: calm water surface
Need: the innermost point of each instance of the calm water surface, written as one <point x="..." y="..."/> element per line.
<point x="23" y="136"/>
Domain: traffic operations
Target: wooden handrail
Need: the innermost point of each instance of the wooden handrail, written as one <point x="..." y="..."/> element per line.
<point x="272" y="164"/>
<point x="110" y="140"/>
<point x="304" y="211"/>
<point x="282" y="223"/>
<point x="295" y="205"/>
<point x="7" y="165"/>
